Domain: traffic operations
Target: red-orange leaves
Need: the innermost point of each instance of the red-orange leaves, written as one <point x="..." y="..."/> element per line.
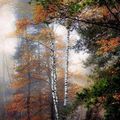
<point x="17" y="104"/>
<point x="19" y="83"/>
<point x="52" y="10"/>
<point x="108" y="45"/>
<point x="21" y="25"/>
<point x="39" y="14"/>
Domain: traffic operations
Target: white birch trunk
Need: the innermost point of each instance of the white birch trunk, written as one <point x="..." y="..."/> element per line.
<point x="66" y="70"/>
<point x="54" y="79"/>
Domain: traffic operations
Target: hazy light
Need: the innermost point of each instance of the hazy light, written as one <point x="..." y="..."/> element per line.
<point x="10" y="45"/>
<point x="76" y="66"/>
<point x="7" y="26"/>
<point x="60" y="30"/>
<point x="76" y="60"/>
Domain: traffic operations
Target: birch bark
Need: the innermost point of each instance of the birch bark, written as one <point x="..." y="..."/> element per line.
<point x="66" y="70"/>
<point x="54" y="79"/>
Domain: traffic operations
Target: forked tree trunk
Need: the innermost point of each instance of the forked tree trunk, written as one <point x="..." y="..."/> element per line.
<point x="66" y="70"/>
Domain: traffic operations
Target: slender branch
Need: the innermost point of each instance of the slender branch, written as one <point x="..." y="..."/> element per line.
<point x="106" y="4"/>
<point x="102" y="24"/>
<point x="39" y="42"/>
<point x="46" y="46"/>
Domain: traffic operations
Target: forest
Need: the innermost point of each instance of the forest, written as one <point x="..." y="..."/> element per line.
<point x="60" y="60"/>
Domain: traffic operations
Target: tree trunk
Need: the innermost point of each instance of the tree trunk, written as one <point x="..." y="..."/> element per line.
<point x="28" y="98"/>
<point x="66" y="70"/>
<point x="29" y="84"/>
<point x="54" y="80"/>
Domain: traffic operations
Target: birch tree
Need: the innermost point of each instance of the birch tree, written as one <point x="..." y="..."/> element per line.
<point x="47" y="35"/>
<point x="47" y="39"/>
<point x="66" y="69"/>
<point x="54" y="78"/>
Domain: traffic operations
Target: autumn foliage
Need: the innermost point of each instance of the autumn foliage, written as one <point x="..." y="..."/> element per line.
<point x="39" y="14"/>
<point x="21" y="25"/>
<point x="29" y="74"/>
<point x="108" y="45"/>
<point x="28" y="100"/>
